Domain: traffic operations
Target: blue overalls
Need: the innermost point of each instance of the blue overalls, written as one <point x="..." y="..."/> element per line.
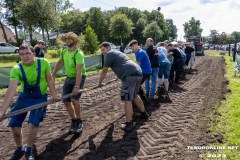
<point x="31" y="95"/>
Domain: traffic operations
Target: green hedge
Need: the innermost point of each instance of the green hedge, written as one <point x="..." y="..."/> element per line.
<point x="9" y="57"/>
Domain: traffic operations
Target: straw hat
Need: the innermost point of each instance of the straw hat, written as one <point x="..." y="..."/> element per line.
<point x="69" y="35"/>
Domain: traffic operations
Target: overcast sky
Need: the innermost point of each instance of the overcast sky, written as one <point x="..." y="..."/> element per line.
<point x="222" y="15"/>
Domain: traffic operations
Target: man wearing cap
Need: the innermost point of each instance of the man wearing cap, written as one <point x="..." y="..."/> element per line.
<point x="35" y="76"/>
<point x="39" y="49"/>
<point x="73" y="60"/>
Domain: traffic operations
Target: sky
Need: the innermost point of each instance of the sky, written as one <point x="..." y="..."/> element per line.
<point x="222" y="15"/>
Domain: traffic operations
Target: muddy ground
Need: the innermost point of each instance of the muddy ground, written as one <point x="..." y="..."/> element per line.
<point x="165" y="136"/>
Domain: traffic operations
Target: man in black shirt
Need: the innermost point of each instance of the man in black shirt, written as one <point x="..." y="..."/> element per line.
<point x="39" y="49"/>
<point x="177" y="63"/>
<point x="188" y="50"/>
<point x="153" y="57"/>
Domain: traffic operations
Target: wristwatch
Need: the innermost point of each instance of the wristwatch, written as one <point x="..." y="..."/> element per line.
<point x="76" y="87"/>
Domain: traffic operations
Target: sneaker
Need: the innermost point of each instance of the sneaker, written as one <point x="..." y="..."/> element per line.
<point x="78" y="126"/>
<point x="142" y="115"/>
<point x="17" y="155"/>
<point x="71" y="130"/>
<point x="127" y="126"/>
<point x="167" y="97"/>
<point x="29" y="157"/>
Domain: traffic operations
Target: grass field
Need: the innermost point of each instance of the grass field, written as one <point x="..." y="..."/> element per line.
<point x="228" y="121"/>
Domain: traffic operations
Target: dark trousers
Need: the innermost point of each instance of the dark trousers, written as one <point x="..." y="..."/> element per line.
<point x="177" y="68"/>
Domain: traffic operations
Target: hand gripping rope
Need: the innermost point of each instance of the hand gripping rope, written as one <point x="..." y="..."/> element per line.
<point x="36" y="106"/>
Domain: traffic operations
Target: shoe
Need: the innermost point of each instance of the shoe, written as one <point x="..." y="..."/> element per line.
<point x="145" y="115"/>
<point x="161" y="90"/>
<point x="142" y="115"/>
<point x="17" y="155"/>
<point x="78" y="126"/>
<point x="29" y="157"/>
<point x="71" y="130"/>
<point x="127" y="126"/>
<point x="167" y="97"/>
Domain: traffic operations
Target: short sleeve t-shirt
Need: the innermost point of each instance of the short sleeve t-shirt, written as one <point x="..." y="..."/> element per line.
<point x="70" y="62"/>
<point x="39" y="52"/>
<point x="189" y="50"/>
<point x="162" y="58"/>
<point x="176" y="54"/>
<point x="31" y="74"/>
<point x="121" y="65"/>
<point x="142" y="57"/>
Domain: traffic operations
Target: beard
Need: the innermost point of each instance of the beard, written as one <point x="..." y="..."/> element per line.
<point x="71" y="44"/>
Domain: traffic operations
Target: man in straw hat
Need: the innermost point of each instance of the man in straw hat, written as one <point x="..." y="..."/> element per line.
<point x="73" y="60"/>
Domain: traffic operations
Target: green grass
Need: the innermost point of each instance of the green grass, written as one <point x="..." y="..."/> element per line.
<point x="228" y="123"/>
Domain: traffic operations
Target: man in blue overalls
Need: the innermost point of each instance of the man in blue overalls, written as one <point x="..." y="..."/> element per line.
<point x="34" y="75"/>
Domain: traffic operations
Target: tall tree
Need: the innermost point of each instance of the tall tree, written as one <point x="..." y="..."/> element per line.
<point x="172" y="29"/>
<point x="47" y="16"/>
<point x="96" y="19"/>
<point x="192" y="28"/>
<point x="91" y="43"/>
<point x="236" y="35"/>
<point x="1" y="23"/>
<point x="11" y="14"/>
<point x="161" y="22"/>
<point x="139" y="27"/>
<point x="214" y="36"/>
<point x="121" y="26"/>
<point x="62" y="6"/>
<point x="152" y="30"/>
<point x="74" y="21"/>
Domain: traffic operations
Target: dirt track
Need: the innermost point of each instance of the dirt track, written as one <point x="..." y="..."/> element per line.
<point x="166" y="135"/>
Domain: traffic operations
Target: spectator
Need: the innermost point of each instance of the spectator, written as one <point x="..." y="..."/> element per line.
<point x="39" y="52"/>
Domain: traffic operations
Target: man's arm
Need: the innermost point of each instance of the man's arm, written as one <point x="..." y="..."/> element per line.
<point x="51" y="85"/>
<point x="102" y="76"/>
<point x="57" y="67"/>
<point x="8" y="97"/>
<point x="78" y="79"/>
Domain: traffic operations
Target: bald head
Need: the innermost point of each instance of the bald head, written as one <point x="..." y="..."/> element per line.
<point x="149" y="41"/>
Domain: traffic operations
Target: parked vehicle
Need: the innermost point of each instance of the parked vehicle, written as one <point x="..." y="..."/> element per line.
<point x="7" y="48"/>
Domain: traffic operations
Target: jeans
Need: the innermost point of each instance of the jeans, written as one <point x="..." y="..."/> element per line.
<point x="154" y="82"/>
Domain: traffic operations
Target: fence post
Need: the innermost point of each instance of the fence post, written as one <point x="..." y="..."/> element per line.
<point x="229" y="49"/>
<point x="234" y="51"/>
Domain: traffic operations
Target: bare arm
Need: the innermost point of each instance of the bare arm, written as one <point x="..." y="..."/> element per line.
<point x="8" y="97"/>
<point x="102" y="76"/>
<point x="78" y="78"/>
<point x="51" y="85"/>
<point x="57" y="67"/>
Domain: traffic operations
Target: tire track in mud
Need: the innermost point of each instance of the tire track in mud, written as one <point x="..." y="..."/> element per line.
<point x="171" y="128"/>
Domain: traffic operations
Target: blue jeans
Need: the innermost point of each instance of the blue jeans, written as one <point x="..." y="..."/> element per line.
<point x="154" y="82"/>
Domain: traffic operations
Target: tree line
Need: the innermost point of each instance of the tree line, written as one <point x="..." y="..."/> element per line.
<point x="118" y="25"/>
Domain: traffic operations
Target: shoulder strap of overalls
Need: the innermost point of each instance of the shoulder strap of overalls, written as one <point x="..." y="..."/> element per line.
<point x="74" y="57"/>
<point x="39" y="71"/>
<point x="23" y="73"/>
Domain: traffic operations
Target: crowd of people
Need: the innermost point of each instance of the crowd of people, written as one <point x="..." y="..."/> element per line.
<point x="157" y="67"/>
